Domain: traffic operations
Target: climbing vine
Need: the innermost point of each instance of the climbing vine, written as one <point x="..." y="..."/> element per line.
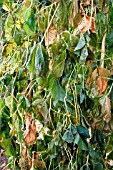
<point x="56" y="84"/>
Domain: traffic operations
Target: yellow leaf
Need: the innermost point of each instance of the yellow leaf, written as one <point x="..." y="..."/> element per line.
<point x="9" y="49"/>
<point x="6" y="7"/>
<point x="21" y="19"/>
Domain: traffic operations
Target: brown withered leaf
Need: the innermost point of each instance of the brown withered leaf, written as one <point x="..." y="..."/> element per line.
<point x="86" y="2"/>
<point x="39" y="164"/>
<point x="106" y="109"/>
<point x="30" y="132"/>
<point x="102" y="80"/>
<point x="51" y="36"/>
<point x="88" y="24"/>
<point x="102" y="84"/>
<point x="23" y="163"/>
<point x="100" y="77"/>
<point x="103" y="72"/>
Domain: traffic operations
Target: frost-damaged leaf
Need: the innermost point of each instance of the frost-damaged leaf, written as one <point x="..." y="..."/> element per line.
<point x="50" y="38"/>
<point x="30" y="132"/>
<point x="87" y="24"/>
<point x="106" y="108"/>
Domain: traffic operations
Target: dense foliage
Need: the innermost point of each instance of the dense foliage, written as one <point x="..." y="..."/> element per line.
<point x="56" y="84"/>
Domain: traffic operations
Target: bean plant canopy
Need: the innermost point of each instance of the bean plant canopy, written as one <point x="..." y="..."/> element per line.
<point x="56" y="84"/>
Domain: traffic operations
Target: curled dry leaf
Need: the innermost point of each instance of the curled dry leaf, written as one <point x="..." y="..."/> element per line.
<point x="23" y="163"/>
<point x="86" y="2"/>
<point x="87" y="24"/>
<point x="106" y="109"/>
<point x="102" y="84"/>
<point x="100" y="77"/>
<point x="102" y="80"/>
<point x="51" y="36"/>
<point x="30" y="132"/>
<point x="51" y="64"/>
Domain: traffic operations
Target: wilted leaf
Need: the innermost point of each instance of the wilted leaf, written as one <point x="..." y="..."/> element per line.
<point x="100" y="77"/>
<point x="30" y="132"/>
<point x="51" y="36"/>
<point x="106" y="109"/>
<point x="87" y="24"/>
<point x="103" y="72"/>
<point x="102" y="84"/>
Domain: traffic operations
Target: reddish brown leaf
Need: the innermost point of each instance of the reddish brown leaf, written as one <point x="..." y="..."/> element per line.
<point x="30" y="132"/>
<point x="88" y="81"/>
<point x="50" y="38"/>
<point x="24" y="152"/>
<point x="100" y="75"/>
<point x="87" y="24"/>
<point x="102" y="84"/>
<point x="103" y="72"/>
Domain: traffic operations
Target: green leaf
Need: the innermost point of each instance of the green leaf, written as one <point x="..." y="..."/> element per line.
<point x="80" y="44"/>
<point x="82" y="97"/>
<point x="109" y="39"/>
<point x="23" y="102"/>
<point x="82" y="145"/>
<point x="93" y="154"/>
<point x="8" y="102"/>
<point x="83" y="131"/>
<point x="58" y="93"/>
<point x="2" y="104"/>
<point x="7" y="144"/>
<point x="37" y="101"/>
<point x="31" y="61"/>
<point x="28" y="31"/>
<point x="58" y="66"/>
<point x="31" y="21"/>
<point x="84" y="54"/>
<point x="97" y="166"/>
<point x="28" y="16"/>
<point x="77" y="139"/>
<point x="68" y="136"/>
<point x="41" y="60"/>
<point x="17" y="38"/>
